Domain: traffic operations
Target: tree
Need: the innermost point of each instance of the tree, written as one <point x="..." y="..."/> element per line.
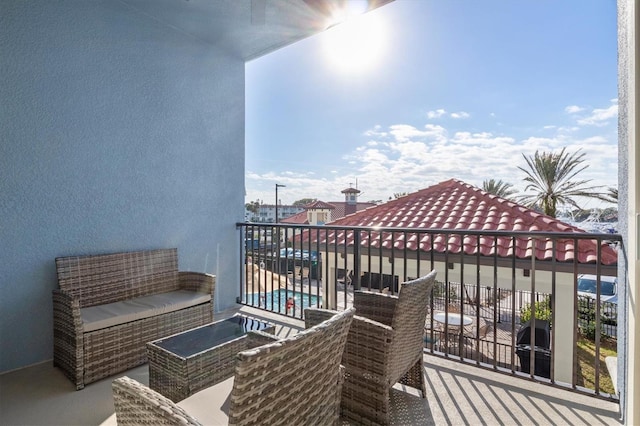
<point x="304" y="201"/>
<point x="613" y="194"/>
<point x="552" y="178"/>
<point x="253" y="207"/>
<point x="499" y="188"/>
<point x="397" y="195"/>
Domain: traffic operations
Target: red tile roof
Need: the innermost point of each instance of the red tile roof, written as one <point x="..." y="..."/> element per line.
<point x="296" y="219"/>
<point x="339" y="209"/>
<point x="319" y="205"/>
<point x="344" y="208"/>
<point x="456" y="205"/>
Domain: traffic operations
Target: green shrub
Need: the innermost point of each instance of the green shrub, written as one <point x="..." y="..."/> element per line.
<point x="587" y="318"/>
<point x="440" y="289"/>
<point x="543" y="310"/>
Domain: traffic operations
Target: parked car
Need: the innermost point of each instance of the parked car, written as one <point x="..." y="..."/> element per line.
<point x="298" y="254"/>
<point x="587" y="286"/>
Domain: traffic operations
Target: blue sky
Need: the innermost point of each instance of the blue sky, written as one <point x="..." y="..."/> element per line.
<point x="460" y="89"/>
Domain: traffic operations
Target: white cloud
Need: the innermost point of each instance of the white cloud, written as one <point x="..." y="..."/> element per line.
<point x="414" y="162"/>
<point x="407" y="157"/>
<point x="439" y="113"/>
<point x="405" y="132"/>
<point x="436" y="114"/>
<point x="573" y="109"/>
<point x="533" y="144"/>
<point x="479" y="139"/>
<point x="600" y="116"/>
<point x="568" y="129"/>
<point x="375" y="131"/>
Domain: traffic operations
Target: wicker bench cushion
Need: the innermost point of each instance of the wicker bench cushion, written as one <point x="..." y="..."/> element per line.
<point x="111" y="314"/>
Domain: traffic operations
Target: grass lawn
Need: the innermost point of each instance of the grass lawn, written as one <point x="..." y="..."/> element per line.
<point x="586" y="363"/>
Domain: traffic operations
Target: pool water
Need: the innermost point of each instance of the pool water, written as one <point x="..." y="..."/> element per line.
<point x="277" y="301"/>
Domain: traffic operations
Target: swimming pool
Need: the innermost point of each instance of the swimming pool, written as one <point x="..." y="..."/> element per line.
<point x="276" y="301"/>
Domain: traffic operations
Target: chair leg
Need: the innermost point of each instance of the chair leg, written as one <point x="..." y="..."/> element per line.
<point x="365" y="402"/>
<point x="423" y="380"/>
<point x="416" y="377"/>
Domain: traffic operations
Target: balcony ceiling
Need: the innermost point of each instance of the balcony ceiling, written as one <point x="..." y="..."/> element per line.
<point x="247" y="28"/>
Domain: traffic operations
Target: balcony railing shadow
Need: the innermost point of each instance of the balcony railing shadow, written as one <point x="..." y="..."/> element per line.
<point x="457" y="393"/>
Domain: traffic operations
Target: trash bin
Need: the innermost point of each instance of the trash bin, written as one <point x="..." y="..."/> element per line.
<point x="542" y="365"/>
<point x="541" y="350"/>
<point x="542" y="333"/>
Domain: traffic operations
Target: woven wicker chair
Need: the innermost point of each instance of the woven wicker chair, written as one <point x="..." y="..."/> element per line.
<point x="384" y="347"/>
<point x="295" y="381"/>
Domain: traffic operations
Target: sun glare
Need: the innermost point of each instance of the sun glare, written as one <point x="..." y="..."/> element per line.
<point x="356" y="44"/>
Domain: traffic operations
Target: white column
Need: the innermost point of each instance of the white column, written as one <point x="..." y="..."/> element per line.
<point x="629" y="206"/>
<point x="563" y="347"/>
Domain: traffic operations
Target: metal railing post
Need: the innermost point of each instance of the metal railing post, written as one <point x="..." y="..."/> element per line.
<point x="356" y="260"/>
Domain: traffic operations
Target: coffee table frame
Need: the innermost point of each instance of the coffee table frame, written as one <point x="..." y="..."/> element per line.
<point x="178" y="377"/>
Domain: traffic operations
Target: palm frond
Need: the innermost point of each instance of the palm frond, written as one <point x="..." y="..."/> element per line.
<point x="551" y="177"/>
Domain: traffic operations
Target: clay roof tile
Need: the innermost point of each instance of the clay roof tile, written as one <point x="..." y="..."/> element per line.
<point x="454" y="204"/>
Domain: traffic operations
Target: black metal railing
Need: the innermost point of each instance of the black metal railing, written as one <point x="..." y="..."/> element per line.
<point x="505" y="288"/>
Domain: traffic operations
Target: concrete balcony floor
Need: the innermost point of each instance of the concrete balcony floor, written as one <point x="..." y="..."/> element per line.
<point x="456" y="394"/>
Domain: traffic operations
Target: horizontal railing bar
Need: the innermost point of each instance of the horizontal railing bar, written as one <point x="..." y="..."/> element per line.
<point x="470" y="232"/>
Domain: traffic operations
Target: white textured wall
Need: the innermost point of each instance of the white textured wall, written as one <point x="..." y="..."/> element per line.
<point x="629" y="189"/>
<point x="116" y="134"/>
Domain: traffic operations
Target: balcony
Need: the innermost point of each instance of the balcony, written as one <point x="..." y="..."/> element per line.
<point x="473" y="377"/>
<point x="457" y="393"/>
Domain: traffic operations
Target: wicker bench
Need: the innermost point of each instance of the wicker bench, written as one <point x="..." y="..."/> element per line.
<point x="109" y="306"/>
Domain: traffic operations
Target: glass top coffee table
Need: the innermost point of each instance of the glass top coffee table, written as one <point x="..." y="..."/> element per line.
<point x="185" y="363"/>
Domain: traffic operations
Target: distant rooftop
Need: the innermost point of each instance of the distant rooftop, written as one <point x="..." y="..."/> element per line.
<point x="454" y="204"/>
<point x="319" y="205"/>
<point x="338" y="209"/>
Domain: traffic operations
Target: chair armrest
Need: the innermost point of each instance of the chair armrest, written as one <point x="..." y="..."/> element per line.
<point x="257" y="338"/>
<point x="368" y="348"/>
<point x="68" y="336"/>
<point x="375" y="306"/>
<point x="314" y="316"/>
<point x="135" y="403"/>
<point x="66" y="315"/>
<point x="197" y="281"/>
<point x="66" y="306"/>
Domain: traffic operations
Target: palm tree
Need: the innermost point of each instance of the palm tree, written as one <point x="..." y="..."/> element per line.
<point x="613" y="194"/>
<point x="397" y="195"/>
<point x="551" y="177"/>
<point x="499" y="188"/>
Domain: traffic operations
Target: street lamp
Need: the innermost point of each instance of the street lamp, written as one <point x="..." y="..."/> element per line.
<point x="277" y="186"/>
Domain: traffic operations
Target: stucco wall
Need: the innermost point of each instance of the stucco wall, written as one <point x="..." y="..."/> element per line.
<point x="118" y="133"/>
<point x="629" y="189"/>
